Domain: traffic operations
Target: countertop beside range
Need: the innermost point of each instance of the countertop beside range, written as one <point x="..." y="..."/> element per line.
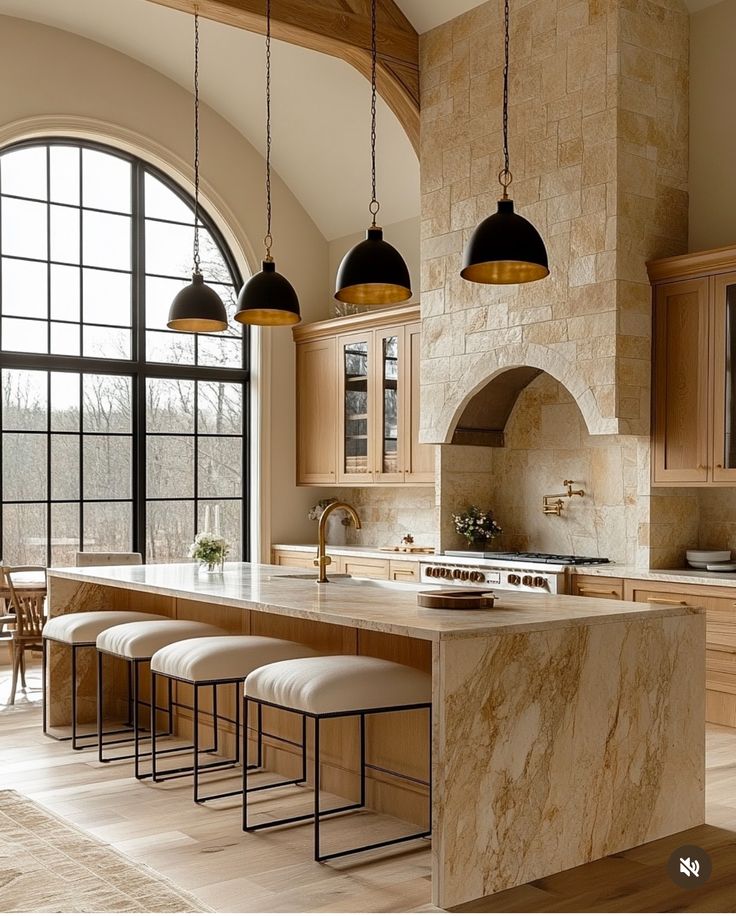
<point x="683" y="576"/>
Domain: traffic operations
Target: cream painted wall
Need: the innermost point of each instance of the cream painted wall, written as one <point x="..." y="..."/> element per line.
<point x="63" y="82"/>
<point x="403" y="235"/>
<point x="712" y="127"/>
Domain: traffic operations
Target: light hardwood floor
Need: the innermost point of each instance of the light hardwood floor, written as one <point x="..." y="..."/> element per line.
<point x="203" y="849"/>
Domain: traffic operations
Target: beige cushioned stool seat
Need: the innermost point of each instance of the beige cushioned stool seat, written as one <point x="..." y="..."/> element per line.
<point x="212" y="658"/>
<point x="144" y="638"/>
<point x="338" y="683"/>
<point x="86" y="626"/>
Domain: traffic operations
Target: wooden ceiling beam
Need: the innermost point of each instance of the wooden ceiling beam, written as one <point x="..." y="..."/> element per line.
<point x="340" y="28"/>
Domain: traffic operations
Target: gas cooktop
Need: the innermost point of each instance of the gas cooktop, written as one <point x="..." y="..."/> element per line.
<point x="553" y="559"/>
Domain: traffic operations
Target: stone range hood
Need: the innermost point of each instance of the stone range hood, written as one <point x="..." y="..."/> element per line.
<point x="485" y="415"/>
<point x="599" y="145"/>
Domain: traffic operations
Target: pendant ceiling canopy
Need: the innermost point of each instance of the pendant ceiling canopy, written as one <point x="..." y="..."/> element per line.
<point x="197" y="307"/>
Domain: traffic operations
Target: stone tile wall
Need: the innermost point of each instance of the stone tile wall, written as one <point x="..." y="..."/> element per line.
<point x="598" y="127"/>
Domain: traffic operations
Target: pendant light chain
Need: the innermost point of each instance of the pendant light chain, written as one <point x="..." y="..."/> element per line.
<point x="268" y="239"/>
<point x="196" y="141"/>
<point x="374" y="205"/>
<point x="505" y="176"/>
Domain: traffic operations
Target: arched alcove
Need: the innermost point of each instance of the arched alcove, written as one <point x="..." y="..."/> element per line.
<point x="481" y="400"/>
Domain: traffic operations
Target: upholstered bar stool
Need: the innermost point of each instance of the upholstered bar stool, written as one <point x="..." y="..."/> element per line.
<point x="136" y="643"/>
<point x="77" y="631"/>
<point x="334" y="687"/>
<point x="214" y="661"/>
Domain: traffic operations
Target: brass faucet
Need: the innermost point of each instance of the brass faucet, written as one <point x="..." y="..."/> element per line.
<point x="322" y="560"/>
<point x="553" y="505"/>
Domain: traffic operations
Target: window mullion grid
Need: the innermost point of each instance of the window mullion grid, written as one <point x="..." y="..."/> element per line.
<point x="138" y="333"/>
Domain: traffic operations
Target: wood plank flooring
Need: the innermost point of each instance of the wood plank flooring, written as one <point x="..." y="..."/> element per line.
<point x="203" y="849"/>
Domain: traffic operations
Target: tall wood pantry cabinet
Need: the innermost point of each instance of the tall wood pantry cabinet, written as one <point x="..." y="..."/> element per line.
<point x="357" y="401"/>
<point x="694" y="377"/>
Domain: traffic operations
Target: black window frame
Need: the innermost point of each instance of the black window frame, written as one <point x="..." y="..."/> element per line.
<point x="137" y="368"/>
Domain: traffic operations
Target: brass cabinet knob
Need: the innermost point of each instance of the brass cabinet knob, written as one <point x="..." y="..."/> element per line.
<point x="719" y="466"/>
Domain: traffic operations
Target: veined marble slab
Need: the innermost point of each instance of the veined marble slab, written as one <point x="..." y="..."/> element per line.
<point x="387" y="607"/>
<point x="681" y="576"/>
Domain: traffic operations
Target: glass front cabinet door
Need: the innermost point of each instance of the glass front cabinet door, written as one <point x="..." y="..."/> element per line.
<point x="724" y="366"/>
<point x="390" y="380"/>
<point x="356" y="452"/>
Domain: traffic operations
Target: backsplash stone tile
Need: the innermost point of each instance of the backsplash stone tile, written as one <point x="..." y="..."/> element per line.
<point x="388" y="513"/>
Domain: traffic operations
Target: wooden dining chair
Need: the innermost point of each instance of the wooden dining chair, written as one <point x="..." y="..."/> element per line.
<point x="27" y="599"/>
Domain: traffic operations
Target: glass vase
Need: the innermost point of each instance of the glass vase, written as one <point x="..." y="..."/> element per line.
<point x="212" y="568"/>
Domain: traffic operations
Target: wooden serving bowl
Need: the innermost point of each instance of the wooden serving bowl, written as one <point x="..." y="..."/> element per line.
<point x="456" y="600"/>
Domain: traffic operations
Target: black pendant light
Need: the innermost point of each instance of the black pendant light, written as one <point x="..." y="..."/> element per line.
<point x="268" y="298"/>
<point x="373" y="272"/>
<point x="197" y="307"/>
<point x="505" y="247"/>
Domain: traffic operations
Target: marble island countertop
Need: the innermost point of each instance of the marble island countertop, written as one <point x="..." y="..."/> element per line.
<point x="387" y="607"/>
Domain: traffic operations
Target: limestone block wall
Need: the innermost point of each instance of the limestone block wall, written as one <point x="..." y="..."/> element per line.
<point x="598" y="129"/>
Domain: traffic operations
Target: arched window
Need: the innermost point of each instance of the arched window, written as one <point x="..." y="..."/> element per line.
<point x="117" y="434"/>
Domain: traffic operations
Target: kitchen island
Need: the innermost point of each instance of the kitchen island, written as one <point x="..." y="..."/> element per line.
<point x="564" y="729"/>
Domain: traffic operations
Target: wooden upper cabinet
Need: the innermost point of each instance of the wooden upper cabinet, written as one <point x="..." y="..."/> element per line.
<point x="724" y="372"/>
<point x="694" y="386"/>
<point x="316" y="416"/>
<point x="681" y="313"/>
<point x="373" y="390"/>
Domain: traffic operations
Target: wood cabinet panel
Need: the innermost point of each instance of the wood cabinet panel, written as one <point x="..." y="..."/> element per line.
<point x="293" y="558"/>
<point x="362" y="568"/>
<point x="724" y="378"/>
<point x="403" y="571"/>
<point x="598" y="587"/>
<point x="316" y="417"/>
<point x="681" y="382"/>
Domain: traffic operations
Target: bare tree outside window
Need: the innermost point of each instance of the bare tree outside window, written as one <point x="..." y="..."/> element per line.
<point x="117" y="433"/>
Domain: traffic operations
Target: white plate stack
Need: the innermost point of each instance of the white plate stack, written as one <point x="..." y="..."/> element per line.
<point x="712" y="560"/>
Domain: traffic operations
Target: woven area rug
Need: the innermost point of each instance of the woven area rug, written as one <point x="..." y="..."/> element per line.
<point x="48" y="866"/>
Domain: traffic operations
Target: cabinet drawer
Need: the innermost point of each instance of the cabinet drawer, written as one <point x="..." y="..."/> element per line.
<point x="720" y="671"/>
<point x="403" y="571"/>
<point x="720" y="627"/>
<point x="293" y="558"/>
<point x="364" y="568"/>
<point x="662" y="596"/>
<point x="598" y="587"/>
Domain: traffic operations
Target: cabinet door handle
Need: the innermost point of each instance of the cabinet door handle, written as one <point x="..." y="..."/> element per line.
<point x="666" y="601"/>
<point x="595" y="591"/>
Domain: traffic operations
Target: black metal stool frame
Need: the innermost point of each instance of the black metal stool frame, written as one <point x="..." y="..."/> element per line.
<point x="134" y="702"/>
<point x="196" y="768"/>
<point x="317" y="814"/>
<point x="75" y="738"/>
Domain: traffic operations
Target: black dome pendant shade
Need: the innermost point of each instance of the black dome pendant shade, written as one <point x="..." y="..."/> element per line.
<point x="197" y="307"/>
<point x="505" y="247"/>
<point x="267" y="298"/>
<point x="373" y="272"/>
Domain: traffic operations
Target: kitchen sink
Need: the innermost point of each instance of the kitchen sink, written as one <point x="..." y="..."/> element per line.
<point x="313" y="576"/>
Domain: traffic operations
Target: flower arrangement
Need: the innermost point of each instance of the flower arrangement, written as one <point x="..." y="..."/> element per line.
<point x="317" y="510"/>
<point x="476" y="524"/>
<point x="210" y="550"/>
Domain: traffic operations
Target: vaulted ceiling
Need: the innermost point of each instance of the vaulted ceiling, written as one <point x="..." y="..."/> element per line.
<point x="320" y="103"/>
